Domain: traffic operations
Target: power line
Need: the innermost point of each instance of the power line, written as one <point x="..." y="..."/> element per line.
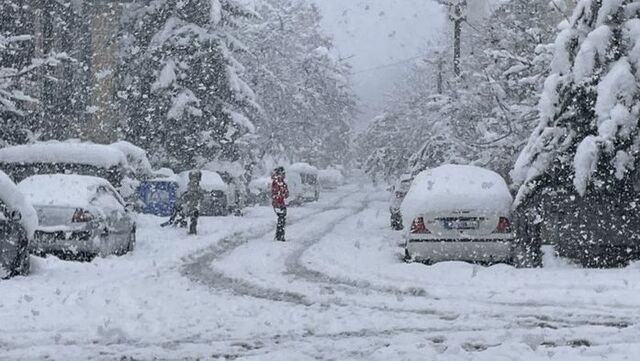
<point x="390" y="65"/>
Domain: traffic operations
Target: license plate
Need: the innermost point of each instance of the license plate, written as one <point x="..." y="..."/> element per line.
<point x="461" y="224"/>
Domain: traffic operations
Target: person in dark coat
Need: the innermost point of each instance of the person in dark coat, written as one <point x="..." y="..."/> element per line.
<point x="192" y="200"/>
<point x="279" y="194"/>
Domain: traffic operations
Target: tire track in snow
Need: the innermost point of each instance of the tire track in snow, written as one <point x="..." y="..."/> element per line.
<point x="295" y="267"/>
<point x="517" y="318"/>
<point x="524" y="312"/>
<point x="200" y="270"/>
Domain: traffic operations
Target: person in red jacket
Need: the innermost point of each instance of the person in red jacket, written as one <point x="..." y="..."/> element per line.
<point x="279" y="194"/>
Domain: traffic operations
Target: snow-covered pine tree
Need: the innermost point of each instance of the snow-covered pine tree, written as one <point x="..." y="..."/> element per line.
<point x="303" y="88"/>
<point x="20" y="70"/>
<point x="180" y="83"/>
<point x="580" y="163"/>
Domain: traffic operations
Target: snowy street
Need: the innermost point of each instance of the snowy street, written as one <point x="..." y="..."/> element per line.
<point x="337" y="290"/>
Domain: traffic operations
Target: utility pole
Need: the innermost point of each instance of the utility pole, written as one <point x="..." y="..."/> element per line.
<point x="457" y="14"/>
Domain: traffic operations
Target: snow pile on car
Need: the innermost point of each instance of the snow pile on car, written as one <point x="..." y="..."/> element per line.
<point x="14" y="200"/>
<point x="301" y="168"/>
<point x="164" y="174"/>
<point x="330" y="178"/>
<point x="234" y="169"/>
<point x="98" y="155"/>
<point x="211" y="181"/>
<point x="61" y="190"/>
<point x="136" y="157"/>
<point x="262" y="184"/>
<point x="456" y="187"/>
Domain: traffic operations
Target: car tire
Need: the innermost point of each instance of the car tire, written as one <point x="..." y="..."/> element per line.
<point x="131" y="245"/>
<point x="407" y="256"/>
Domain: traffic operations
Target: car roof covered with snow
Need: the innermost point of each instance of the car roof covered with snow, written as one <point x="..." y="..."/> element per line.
<point x="136" y="157"/>
<point x="301" y="168"/>
<point x="260" y="184"/>
<point x="98" y="155"/>
<point x="14" y="200"/>
<point x="456" y="188"/>
<point x="211" y="181"/>
<point x="62" y="190"/>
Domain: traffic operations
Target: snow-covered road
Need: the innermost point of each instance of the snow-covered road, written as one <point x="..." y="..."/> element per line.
<point x="337" y="290"/>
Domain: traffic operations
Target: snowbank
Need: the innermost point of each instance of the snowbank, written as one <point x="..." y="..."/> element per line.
<point x="456" y="187"/>
<point x="98" y="155"/>
<point x="302" y="168"/>
<point x="211" y="181"/>
<point x="62" y="190"/>
<point x="15" y="201"/>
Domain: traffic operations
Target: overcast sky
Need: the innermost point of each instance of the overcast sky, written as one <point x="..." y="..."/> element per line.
<point x="376" y="33"/>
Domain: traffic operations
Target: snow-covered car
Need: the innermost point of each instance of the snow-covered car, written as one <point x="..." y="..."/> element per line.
<point x="399" y="191"/>
<point x="139" y="169"/>
<point x="215" y="200"/>
<point x="459" y="212"/>
<point x="330" y="178"/>
<point x="98" y="160"/>
<point x="18" y="221"/>
<point x="79" y="216"/>
<point x="158" y="194"/>
<point x="303" y="183"/>
<point x="260" y="191"/>
<point x="233" y="174"/>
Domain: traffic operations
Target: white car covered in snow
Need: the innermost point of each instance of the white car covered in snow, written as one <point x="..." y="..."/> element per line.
<point x="302" y="180"/>
<point x="330" y="178"/>
<point x="18" y="222"/>
<point x="459" y="212"/>
<point x="79" y="216"/>
<point x="215" y="201"/>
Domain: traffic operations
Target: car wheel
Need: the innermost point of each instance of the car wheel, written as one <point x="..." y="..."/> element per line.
<point x="132" y="240"/>
<point x="407" y="256"/>
<point x="81" y="256"/>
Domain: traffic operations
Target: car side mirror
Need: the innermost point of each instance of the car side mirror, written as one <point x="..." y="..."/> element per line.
<point x="15" y="216"/>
